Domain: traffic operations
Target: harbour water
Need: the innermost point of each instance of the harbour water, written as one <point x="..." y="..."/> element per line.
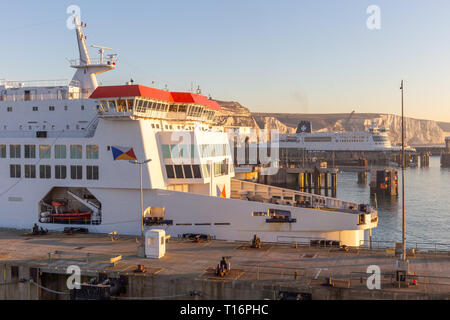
<point x="427" y="205"/>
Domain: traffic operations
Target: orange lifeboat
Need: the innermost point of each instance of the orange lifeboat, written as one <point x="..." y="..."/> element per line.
<point x="58" y="203"/>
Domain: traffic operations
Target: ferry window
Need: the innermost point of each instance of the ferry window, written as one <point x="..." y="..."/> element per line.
<point x="218" y="150"/>
<point x="174" y="151"/>
<point x="30" y="151"/>
<point x="14" y="151"/>
<point x="173" y="108"/>
<point x="35" y="108"/>
<point x="76" y="172"/>
<point x="9" y="109"/>
<point x="30" y="171"/>
<point x="51" y="108"/>
<point x="82" y="107"/>
<point x="130" y="103"/>
<point x="182" y="108"/>
<point x="166" y="151"/>
<point x="60" y="151"/>
<point x="65" y="108"/>
<point x="192" y="151"/>
<point x="76" y="151"/>
<point x="2" y="150"/>
<point x="144" y="108"/>
<point x="60" y="172"/>
<point x="92" y="151"/>
<point x="112" y="105"/>
<point x="44" y="151"/>
<point x="170" y="172"/>
<point x="67" y="127"/>
<point x="217" y="169"/>
<point x="183" y="151"/>
<point x="139" y="105"/>
<point x="205" y="169"/>
<point x="92" y="172"/>
<point x="14" y="170"/>
<point x="196" y="171"/>
<point x="187" y="171"/>
<point x="225" y="150"/>
<point x="179" y="171"/>
<point x="44" y="171"/>
<point x="121" y="105"/>
<point x="224" y="167"/>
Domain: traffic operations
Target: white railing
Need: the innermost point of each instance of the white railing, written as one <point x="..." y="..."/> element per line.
<point x="44" y="96"/>
<point x="267" y="192"/>
<point x="50" y="134"/>
<point x="78" y="62"/>
<point x="34" y="83"/>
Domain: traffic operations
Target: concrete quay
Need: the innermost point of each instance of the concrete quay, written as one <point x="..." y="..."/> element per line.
<point x="27" y="271"/>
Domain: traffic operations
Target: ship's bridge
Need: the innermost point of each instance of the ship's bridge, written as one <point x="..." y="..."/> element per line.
<point x="144" y="102"/>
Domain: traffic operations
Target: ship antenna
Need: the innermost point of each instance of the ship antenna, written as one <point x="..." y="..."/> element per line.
<point x="101" y="51"/>
<point x="81" y="40"/>
<point x="85" y="76"/>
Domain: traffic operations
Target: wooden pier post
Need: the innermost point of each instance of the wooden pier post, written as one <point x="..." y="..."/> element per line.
<point x="362" y="177"/>
<point x="333" y="184"/>
<point x="301" y="181"/>
<point x="310" y="183"/>
<point x="317" y="182"/>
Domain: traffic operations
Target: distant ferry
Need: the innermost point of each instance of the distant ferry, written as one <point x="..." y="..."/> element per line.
<point x="374" y="139"/>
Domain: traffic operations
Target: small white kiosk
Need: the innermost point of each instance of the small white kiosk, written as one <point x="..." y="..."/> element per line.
<point x="155" y="243"/>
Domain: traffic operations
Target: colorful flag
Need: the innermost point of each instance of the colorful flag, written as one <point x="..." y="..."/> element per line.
<point x="123" y="153"/>
<point x="221" y="194"/>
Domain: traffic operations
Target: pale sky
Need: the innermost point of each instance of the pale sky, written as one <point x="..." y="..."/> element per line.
<point x="271" y="56"/>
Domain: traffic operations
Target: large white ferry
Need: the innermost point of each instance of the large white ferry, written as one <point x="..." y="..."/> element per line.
<point x="63" y="163"/>
<point x="373" y="139"/>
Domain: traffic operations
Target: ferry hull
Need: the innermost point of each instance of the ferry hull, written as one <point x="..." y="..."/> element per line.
<point x="222" y="218"/>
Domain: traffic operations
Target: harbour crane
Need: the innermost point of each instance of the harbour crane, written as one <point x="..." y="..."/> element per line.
<point x="348" y="119"/>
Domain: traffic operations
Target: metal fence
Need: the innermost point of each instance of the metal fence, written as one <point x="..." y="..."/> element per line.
<point x="428" y="247"/>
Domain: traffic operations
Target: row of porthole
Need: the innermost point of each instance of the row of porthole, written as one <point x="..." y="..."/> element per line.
<point x="44" y="127"/>
<point x="50" y="108"/>
<point x="170" y="127"/>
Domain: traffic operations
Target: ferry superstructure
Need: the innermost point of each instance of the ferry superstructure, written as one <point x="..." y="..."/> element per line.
<point x="64" y="152"/>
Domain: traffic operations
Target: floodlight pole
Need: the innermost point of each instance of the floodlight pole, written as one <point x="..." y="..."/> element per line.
<point x="403" y="181"/>
<point x="141" y="191"/>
